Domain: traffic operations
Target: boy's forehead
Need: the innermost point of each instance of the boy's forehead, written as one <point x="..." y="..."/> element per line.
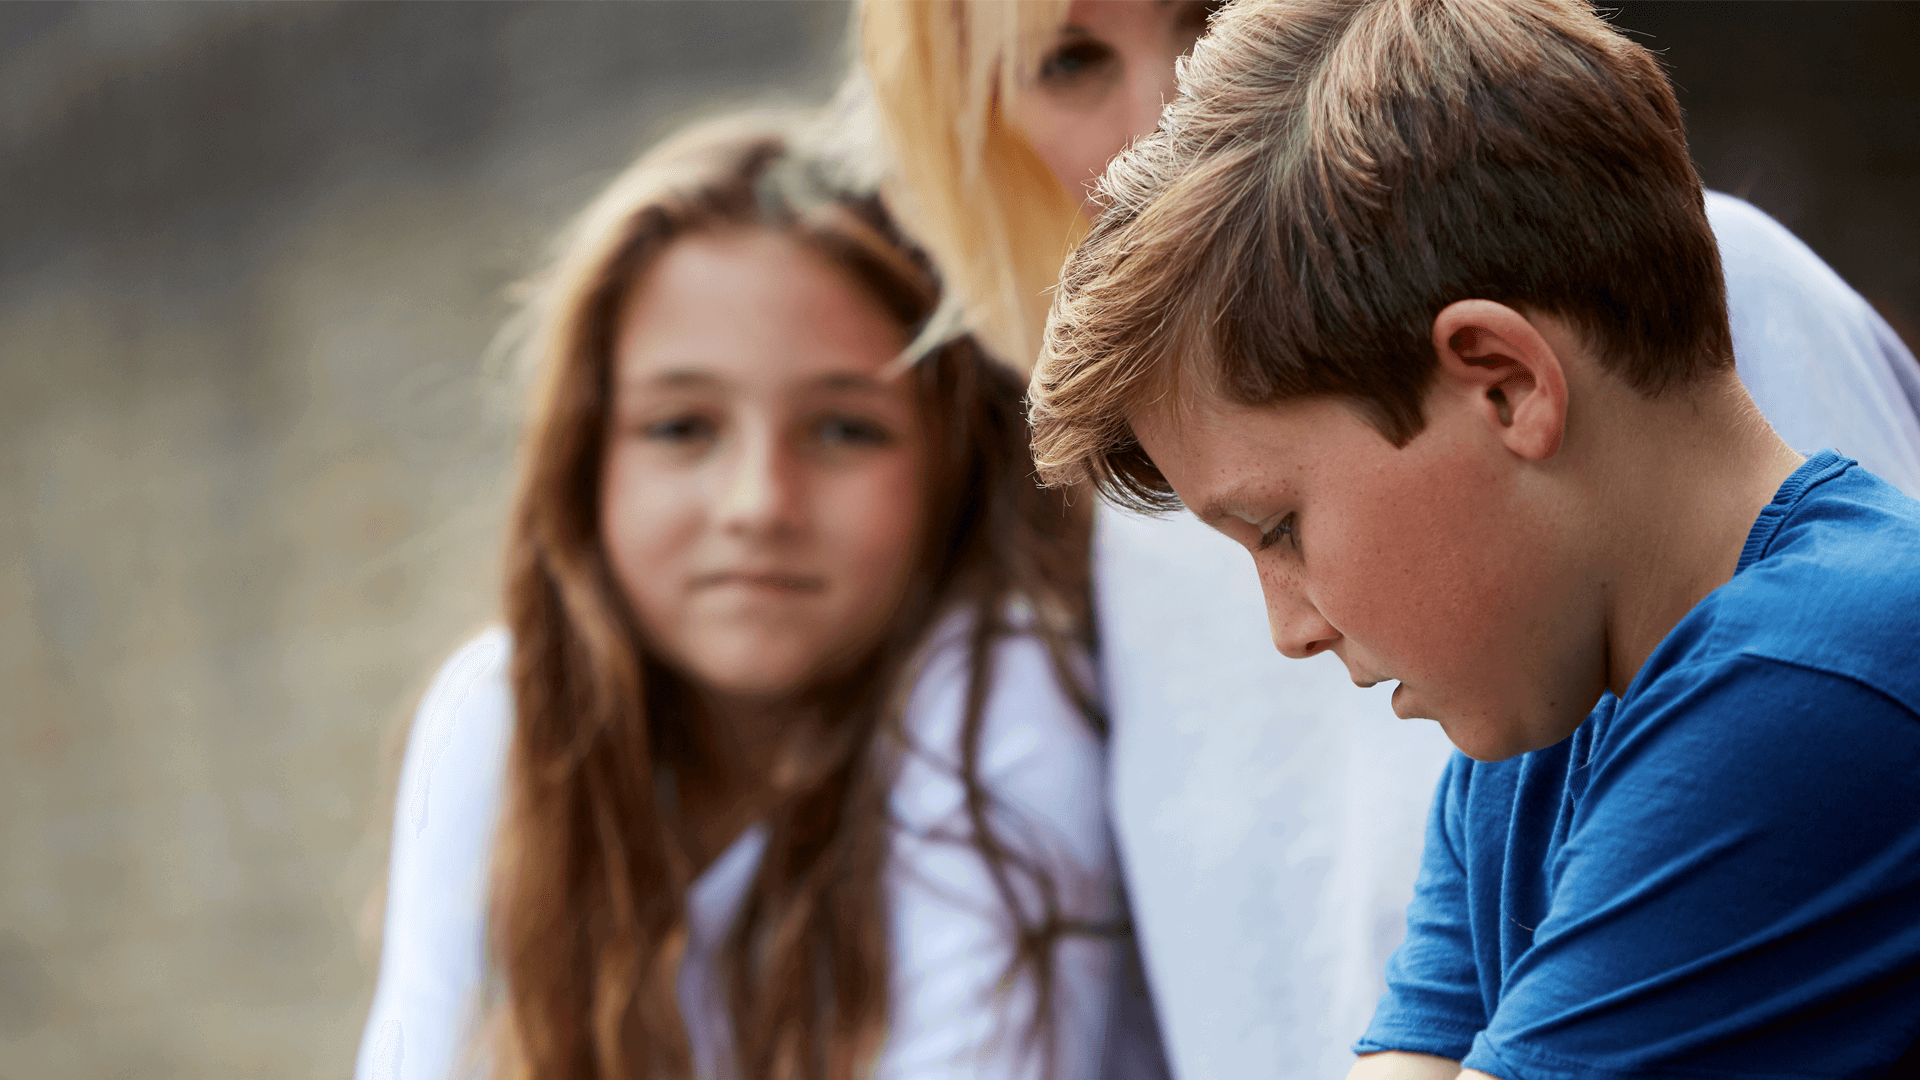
<point x="1225" y="459"/>
<point x="1178" y="421"/>
<point x="1218" y="454"/>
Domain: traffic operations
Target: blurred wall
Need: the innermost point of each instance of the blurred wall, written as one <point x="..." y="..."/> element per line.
<point x="252" y="467"/>
<point x="252" y="471"/>
<point x="1810" y="111"/>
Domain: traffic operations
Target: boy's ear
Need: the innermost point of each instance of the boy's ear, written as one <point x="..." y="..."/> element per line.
<point x="1516" y="377"/>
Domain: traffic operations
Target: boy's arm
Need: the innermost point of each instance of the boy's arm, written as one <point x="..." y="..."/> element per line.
<point x="1433" y="1005"/>
<point x="1397" y="1065"/>
<point x="1736" y="889"/>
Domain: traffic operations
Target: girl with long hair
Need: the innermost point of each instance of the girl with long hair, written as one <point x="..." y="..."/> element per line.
<point x="781" y="767"/>
<point x="1269" y="816"/>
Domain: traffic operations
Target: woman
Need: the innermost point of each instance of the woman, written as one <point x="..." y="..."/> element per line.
<point x="1265" y="915"/>
<point x="779" y="767"/>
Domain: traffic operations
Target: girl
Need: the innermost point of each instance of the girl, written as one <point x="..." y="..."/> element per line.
<point x="1270" y="816"/>
<point x="780" y="767"/>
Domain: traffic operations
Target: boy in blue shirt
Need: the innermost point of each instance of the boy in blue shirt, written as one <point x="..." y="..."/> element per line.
<point x="1417" y="300"/>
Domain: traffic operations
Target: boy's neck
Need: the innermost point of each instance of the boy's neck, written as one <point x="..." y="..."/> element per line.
<point x="1695" y="469"/>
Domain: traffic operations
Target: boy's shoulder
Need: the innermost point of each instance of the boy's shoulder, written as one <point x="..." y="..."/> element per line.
<point x="1829" y="582"/>
<point x="1751" y="788"/>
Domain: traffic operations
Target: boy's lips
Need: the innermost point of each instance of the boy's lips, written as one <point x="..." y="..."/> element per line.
<point x="1369" y="680"/>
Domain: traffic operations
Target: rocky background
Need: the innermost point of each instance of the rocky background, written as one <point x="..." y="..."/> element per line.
<point x="253" y="455"/>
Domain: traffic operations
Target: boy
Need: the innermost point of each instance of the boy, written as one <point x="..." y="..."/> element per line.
<point x="1416" y="299"/>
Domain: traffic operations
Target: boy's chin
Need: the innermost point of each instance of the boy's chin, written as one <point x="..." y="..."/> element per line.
<point x="1483" y="749"/>
<point x="1406" y="705"/>
<point x="1481" y="736"/>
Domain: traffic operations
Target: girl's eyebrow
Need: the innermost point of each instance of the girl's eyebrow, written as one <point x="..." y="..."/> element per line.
<point x="677" y="377"/>
<point x="684" y="378"/>
<point x="845" y="380"/>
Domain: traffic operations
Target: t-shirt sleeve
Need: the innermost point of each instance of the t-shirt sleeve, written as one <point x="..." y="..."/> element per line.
<point x="953" y="1011"/>
<point x="421" y="1024"/>
<point x="1433" y="1003"/>
<point x="1744" y="859"/>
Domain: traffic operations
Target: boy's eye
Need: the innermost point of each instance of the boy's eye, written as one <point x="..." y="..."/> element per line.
<point x="1073" y="61"/>
<point x="1287" y="530"/>
<point x="685" y="428"/>
<point x="851" y="431"/>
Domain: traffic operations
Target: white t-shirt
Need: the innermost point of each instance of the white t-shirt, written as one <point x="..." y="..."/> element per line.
<point x="950" y="1016"/>
<point x="1269" y="814"/>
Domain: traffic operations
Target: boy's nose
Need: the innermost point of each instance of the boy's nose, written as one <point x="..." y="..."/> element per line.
<point x="1298" y="628"/>
<point x="760" y="491"/>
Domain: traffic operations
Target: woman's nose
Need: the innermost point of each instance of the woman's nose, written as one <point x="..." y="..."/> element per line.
<point x="760" y="489"/>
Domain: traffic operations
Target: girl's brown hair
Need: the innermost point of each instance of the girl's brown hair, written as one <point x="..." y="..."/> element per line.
<point x="589" y="919"/>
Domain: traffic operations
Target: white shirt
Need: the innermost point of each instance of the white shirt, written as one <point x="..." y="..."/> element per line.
<point x="951" y="938"/>
<point x="1270" y="814"/>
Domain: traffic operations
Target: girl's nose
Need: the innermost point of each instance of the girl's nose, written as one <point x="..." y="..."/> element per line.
<point x="761" y="489"/>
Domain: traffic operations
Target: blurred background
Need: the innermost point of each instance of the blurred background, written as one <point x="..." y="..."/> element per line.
<point x="253" y="459"/>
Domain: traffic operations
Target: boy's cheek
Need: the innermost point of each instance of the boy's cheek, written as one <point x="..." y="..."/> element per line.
<point x="1435" y="612"/>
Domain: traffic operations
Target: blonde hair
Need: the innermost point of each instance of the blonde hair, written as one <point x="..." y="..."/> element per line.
<point x="964" y="182"/>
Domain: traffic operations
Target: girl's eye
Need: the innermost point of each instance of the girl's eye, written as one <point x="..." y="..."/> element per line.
<point x="1073" y="61"/>
<point x="852" y="431"/>
<point x="691" y="427"/>
<point x="1287" y="530"/>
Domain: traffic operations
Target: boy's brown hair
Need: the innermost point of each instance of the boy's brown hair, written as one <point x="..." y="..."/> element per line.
<point x="1334" y="173"/>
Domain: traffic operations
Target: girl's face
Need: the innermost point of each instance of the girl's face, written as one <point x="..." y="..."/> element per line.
<point x="1103" y="81"/>
<point x="761" y="500"/>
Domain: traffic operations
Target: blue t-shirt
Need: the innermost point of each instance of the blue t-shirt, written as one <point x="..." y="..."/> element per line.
<point x="1719" y="873"/>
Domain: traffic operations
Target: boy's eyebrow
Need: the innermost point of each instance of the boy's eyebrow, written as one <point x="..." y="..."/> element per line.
<point x="1247" y="500"/>
<point x="1226" y="505"/>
